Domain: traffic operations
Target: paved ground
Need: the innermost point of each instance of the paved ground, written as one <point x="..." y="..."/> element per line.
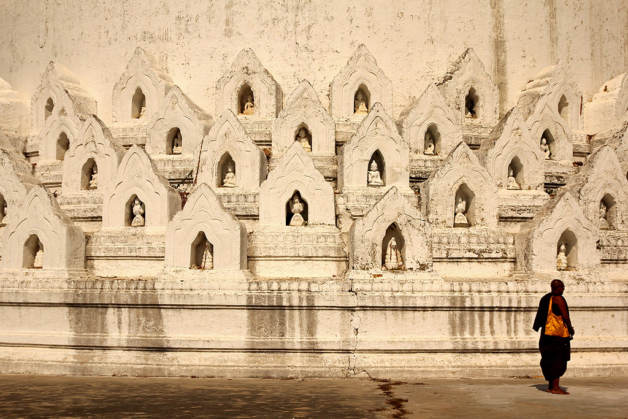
<point x="113" y="397"/>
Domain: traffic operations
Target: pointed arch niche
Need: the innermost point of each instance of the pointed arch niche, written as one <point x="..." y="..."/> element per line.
<point x="568" y="238"/>
<point x="201" y="253"/>
<point x="48" y="108"/>
<point x="90" y="168"/>
<point x="246" y="98"/>
<point x="222" y="168"/>
<point x="307" y="133"/>
<point x="393" y="231"/>
<point x="32" y="247"/>
<point x="550" y="141"/>
<point x="138" y="104"/>
<point x="612" y="215"/>
<point x="466" y="194"/>
<point x="472" y="104"/>
<point x="170" y="141"/>
<point x="518" y="172"/>
<point x="128" y="211"/>
<point x="433" y="133"/>
<point x="303" y="213"/>
<point x="563" y="109"/>
<point x="378" y="158"/>
<point x="362" y="100"/>
<point x="63" y="144"/>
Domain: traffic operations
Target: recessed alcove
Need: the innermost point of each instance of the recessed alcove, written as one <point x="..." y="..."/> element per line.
<point x="611" y="211"/>
<point x="468" y="197"/>
<point x="129" y="215"/>
<point x="246" y="95"/>
<point x="362" y="96"/>
<point x="378" y="158"/>
<point x="471" y="102"/>
<point x="89" y="169"/>
<point x="63" y="144"/>
<point x="433" y="133"/>
<point x="568" y="238"/>
<point x="517" y="170"/>
<point x="223" y="166"/>
<point x="32" y="247"/>
<point x="138" y="104"/>
<point x="394" y="231"/>
<point x="563" y="108"/>
<point x="48" y="108"/>
<point x="198" y="258"/>
<point x="549" y="140"/>
<point x="3" y="208"/>
<point x="306" y="133"/>
<point x="171" y="141"/>
<point x="289" y="208"/>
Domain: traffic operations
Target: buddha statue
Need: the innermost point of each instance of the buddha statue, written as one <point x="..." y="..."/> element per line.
<point x="603" y="214"/>
<point x="249" y="106"/>
<point x="374" y="178"/>
<point x="93" y="178"/>
<point x="460" y="218"/>
<point x="302" y="138"/>
<point x="429" y="144"/>
<point x="512" y="182"/>
<point x="38" y="263"/>
<point x="561" y="259"/>
<point x="138" y="214"/>
<point x="5" y="212"/>
<point x="208" y="258"/>
<point x="296" y="208"/>
<point x="392" y="258"/>
<point x="177" y="143"/>
<point x="545" y="148"/>
<point x="469" y="108"/>
<point x="230" y="180"/>
<point x="359" y="105"/>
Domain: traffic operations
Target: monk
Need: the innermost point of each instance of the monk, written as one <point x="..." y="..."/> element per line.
<point x="554" y="346"/>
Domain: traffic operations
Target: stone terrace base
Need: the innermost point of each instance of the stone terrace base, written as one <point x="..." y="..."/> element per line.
<point x="298" y="328"/>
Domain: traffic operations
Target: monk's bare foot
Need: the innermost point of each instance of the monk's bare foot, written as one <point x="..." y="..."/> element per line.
<point x="558" y="391"/>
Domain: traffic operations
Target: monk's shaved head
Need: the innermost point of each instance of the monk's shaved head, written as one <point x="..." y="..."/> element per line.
<point x="557" y="283"/>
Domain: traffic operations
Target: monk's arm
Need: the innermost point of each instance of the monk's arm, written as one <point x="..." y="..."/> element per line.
<point x="560" y="302"/>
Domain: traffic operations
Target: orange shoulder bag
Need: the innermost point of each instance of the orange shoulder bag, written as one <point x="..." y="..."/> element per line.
<point x="555" y="326"/>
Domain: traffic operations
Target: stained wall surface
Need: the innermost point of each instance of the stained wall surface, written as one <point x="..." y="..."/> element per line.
<point x="413" y="41"/>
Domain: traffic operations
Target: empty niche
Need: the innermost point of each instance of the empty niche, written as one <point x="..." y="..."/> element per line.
<point x="202" y="253"/>
<point x="174" y="142"/>
<point x="563" y="108"/>
<point x="464" y="207"/>
<point x="48" y="108"/>
<point x="567" y="251"/>
<point x="246" y="100"/>
<point x="138" y="104"/>
<point x="89" y="175"/>
<point x="296" y="211"/>
<point x="515" y="174"/>
<point x="431" y="141"/>
<point x="393" y="248"/>
<point x="226" y="172"/>
<point x="33" y="257"/>
<point x="134" y="212"/>
<point x="362" y="100"/>
<point x="376" y="171"/>
<point x="304" y="137"/>
<point x="471" y="102"/>
<point x="547" y="144"/>
<point x="608" y="213"/>
<point x="3" y="208"/>
<point x="63" y="144"/>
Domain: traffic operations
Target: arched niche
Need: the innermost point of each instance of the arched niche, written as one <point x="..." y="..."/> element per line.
<point x="33" y="255"/>
<point x="518" y="172"/>
<point x="378" y="158"/>
<point x="224" y="163"/>
<point x="293" y="212"/>
<point x="305" y="136"/>
<point x="48" y="108"/>
<point x="174" y="141"/>
<point x="563" y="109"/>
<point x="472" y="104"/>
<point x="201" y="253"/>
<point x="466" y="194"/>
<point x="246" y="100"/>
<point x="608" y="219"/>
<point x="393" y="231"/>
<point x="432" y="135"/>
<point x="568" y="238"/>
<point x="362" y="100"/>
<point x="138" y="104"/>
<point x="63" y="144"/>
<point x="131" y="218"/>
<point x="550" y="141"/>
<point x="89" y="175"/>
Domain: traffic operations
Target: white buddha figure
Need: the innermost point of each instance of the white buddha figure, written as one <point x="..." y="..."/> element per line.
<point x="230" y="180"/>
<point x="296" y="208"/>
<point x="512" y="182"/>
<point x="138" y="213"/>
<point x="93" y="178"/>
<point x="38" y="263"/>
<point x="545" y="149"/>
<point x="249" y="106"/>
<point x="302" y="138"/>
<point x="603" y="214"/>
<point x="5" y="212"/>
<point x="429" y="144"/>
<point x="374" y="177"/>
<point x="561" y="259"/>
<point x="177" y="143"/>
<point x="393" y="259"/>
<point x="460" y="219"/>
<point x="359" y="105"/>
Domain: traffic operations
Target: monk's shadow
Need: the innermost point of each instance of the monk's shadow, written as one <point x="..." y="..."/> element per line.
<point x="543" y="387"/>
